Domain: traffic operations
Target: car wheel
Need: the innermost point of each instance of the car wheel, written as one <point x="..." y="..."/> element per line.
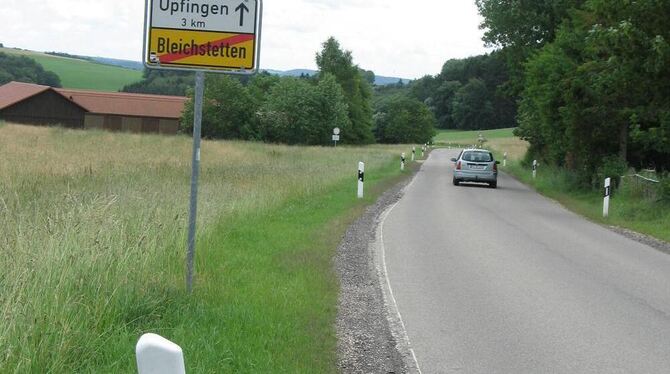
<point x="493" y="185"/>
<point x="456" y="182"/>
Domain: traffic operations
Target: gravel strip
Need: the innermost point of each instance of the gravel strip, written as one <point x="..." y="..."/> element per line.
<point x="366" y="331"/>
<point x="657" y="244"/>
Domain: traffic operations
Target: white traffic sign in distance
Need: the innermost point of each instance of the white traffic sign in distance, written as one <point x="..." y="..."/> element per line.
<point x="336" y="138"/>
<point x="336" y="131"/>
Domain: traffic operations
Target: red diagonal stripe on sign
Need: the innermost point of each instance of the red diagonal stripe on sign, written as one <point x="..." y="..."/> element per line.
<point x="237" y="39"/>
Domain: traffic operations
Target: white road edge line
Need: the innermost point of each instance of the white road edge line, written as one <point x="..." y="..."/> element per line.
<point x="388" y="281"/>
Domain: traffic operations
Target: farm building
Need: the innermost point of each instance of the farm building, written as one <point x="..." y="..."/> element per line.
<point x="114" y="111"/>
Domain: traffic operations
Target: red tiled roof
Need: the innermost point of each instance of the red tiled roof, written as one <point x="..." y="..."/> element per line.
<point x="115" y="103"/>
<point x="126" y="104"/>
<point x="13" y="92"/>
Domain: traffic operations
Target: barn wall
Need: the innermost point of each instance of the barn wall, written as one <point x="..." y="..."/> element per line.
<point x="94" y="121"/>
<point x="46" y="108"/>
<point x="169" y="126"/>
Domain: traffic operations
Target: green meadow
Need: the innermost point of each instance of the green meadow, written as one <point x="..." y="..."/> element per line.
<point x="93" y="232"/>
<point x="470" y="137"/>
<point x="82" y="74"/>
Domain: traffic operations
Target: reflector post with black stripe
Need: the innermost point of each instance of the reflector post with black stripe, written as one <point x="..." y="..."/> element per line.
<point x="361" y="179"/>
<point x="606" y="200"/>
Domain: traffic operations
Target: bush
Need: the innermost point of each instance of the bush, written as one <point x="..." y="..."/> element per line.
<point x="664" y="189"/>
<point x="611" y="167"/>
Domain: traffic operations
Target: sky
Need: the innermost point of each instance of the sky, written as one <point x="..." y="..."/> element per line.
<point x="399" y="38"/>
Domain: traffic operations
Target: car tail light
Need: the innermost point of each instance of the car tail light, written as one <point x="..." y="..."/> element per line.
<point x="458" y="165"/>
<point x="495" y="167"/>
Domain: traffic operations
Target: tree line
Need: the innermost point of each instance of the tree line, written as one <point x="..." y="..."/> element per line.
<point x="592" y="78"/>
<point x="305" y="110"/>
<point x="469" y="94"/>
<point x="27" y="70"/>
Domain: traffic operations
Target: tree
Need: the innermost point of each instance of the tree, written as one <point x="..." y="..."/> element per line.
<point x="298" y="112"/>
<point x="600" y="90"/>
<point x="162" y="82"/>
<point x="519" y="23"/>
<point x="357" y="91"/>
<point x="472" y="109"/>
<point x="440" y="92"/>
<point x="228" y="111"/>
<point x="522" y="27"/>
<point x="404" y="120"/>
<point x="25" y="69"/>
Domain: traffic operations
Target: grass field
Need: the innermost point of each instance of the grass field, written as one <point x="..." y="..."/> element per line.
<point x="82" y="74"/>
<point x="470" y="137"/>
<point x="92" y="235"/>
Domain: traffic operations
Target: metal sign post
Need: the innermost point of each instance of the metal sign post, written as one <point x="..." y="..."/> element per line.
<point x="221" y="36"/>
<point x="195" y="174"/>
<point x="336" y="135"/>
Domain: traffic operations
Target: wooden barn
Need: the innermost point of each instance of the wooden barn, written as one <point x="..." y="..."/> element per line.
<point x="114" y="111"/>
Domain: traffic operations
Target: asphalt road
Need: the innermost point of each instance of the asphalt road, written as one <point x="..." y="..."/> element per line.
<point x="506" y="281"/>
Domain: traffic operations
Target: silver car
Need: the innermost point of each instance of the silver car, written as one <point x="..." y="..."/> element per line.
<point x="476" y="165"/>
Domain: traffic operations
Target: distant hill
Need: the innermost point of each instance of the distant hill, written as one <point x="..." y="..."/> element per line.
<point x="134" y="65"/>
<point x="80" y="72"/>
<point x="110" y="74"/>
<point x="379" y="80"/>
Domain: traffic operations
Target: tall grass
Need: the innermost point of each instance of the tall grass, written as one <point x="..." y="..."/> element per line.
<point x="629" y="207"/>
<point x="92" y="234"/>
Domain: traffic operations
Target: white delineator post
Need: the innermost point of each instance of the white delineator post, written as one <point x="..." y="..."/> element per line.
<point x="402" y="161"/>
<point x="157" y="355"/>
<point x="505" y="160"/>
<point x="608" y="193"/>
<point x="361" y="179"/>
<point x="535" y="169"/>
<point x="413" y="153"/>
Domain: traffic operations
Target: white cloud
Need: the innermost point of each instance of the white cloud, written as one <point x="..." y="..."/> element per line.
<point x="391" y="37"/>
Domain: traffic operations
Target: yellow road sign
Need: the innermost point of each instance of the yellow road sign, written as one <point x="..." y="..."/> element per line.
<point x="218" y="35"/>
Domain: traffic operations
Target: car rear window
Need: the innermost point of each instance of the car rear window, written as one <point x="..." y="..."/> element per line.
<point x="477" y="156"/>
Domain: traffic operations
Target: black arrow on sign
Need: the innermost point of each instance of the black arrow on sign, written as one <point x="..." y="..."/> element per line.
<point x="242" y="8"/>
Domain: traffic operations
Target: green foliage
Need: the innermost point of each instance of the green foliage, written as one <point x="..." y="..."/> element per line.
<point x="471" y="107"/>
<point x="600" y="90"/>
<point x="404" y="120"/>
<point x="521" y="28"/>
<point x="518" y="23"/>
<point x="271" y="109"/>
<point x="611" y="167"/>
<point x="357" y="91"/>
<point x="664" y="189"/>
<point x="24" y="69"/>
<point x="464" y="88"/>
<point x="228" y="110"/>
<point x="162" y="82"/>
<point x="298" y="112"/>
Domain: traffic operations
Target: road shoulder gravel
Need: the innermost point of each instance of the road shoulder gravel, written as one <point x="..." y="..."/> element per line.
<point x="370" y="335"/>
